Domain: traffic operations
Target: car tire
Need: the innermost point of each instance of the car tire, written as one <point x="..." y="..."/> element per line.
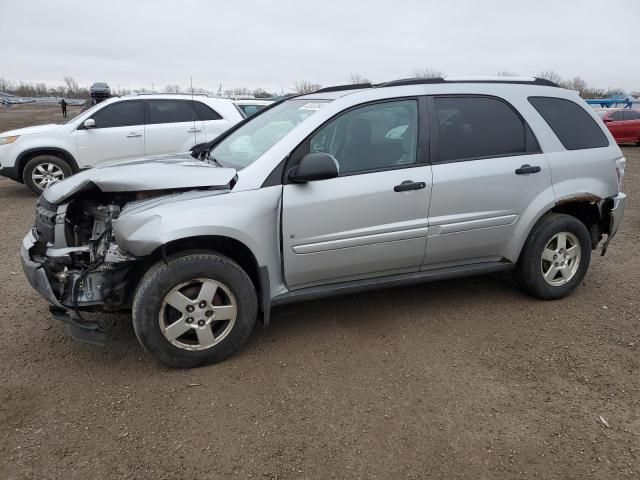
<point x="169" y="300"/>
<point x="555" y="258"/>
<point x="44" y="170"/>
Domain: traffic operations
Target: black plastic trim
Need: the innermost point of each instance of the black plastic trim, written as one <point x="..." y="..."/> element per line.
<point x="427" y="81"/>
<point x="265" y="295"/>
<point x="344" y="288"/>
<point x="20" y="161"/>
<point x="340" y="88"/>
<point x="10" y="172"/>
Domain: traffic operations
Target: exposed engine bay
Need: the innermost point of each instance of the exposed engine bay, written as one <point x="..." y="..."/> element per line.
<point x="76" y="246"/>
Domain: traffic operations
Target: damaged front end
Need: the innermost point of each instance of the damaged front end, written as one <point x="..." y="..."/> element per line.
<point x="70" y="257"/>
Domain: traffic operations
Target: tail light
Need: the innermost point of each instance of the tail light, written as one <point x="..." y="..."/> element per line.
<point x="620" y="163"/>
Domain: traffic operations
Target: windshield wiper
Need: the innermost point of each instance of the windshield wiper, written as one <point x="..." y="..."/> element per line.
<point x="213" y="159"/>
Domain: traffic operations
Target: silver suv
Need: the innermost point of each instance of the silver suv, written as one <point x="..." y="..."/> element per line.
<point x="339" y="191"/>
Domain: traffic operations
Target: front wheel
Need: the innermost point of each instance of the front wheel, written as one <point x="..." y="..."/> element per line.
<point x="555" y="257"/>
<point x="45" y="170"/>
<point x="196" y="309"/>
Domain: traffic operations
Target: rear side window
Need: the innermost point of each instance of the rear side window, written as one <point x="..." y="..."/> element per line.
<point x="120" y="114"/>
<point x="571" y="123"/>
<point x="203" y="112"/>
<point x="476" y="127"/>
<point x="169" y="111"/>
<point x="631" y="115"/>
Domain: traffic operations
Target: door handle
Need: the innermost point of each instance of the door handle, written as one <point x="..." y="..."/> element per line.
<point x="526" y="169"/>
<point x="194" y="130"/>
<point x="134" y="135"/>
<point x="409" y="185"/>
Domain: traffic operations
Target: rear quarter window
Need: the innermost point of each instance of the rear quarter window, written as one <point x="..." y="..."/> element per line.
<point x="571" y="123"/>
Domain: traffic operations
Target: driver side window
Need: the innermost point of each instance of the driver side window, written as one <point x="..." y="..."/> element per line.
<point x="373" y="137"/>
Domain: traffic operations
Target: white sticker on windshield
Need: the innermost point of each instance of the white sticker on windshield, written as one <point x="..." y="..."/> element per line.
<point x="312" y="106"/>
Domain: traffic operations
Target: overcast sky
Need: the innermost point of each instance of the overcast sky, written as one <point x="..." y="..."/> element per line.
<point x="273" y="44"/>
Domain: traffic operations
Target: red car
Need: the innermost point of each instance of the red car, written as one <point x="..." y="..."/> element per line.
<point x="623" y="123"/>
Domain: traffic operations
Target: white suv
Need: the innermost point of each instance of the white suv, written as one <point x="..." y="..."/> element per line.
<point x="120" y="128"/>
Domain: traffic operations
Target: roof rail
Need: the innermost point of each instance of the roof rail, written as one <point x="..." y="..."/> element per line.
<point x="171" y="93"/>
<point x="435" y="80"/>
<point x="339" y="88"/>
<point x="411" y="81"/>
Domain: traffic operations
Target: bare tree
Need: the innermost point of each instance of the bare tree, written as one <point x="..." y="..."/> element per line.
<point x="507" y="73"/>
<point x="72" y="85"/>
<point x="576" y="83"/>
<point x="357" y="79"/>
<point x="261" y="93"/>
<point x="241" y="91"/>
<point x="614" y="92"/>
<point x="305" y="86"/>
<point x="172" y="89"/>
<point x="551" y="76"/>
<point x="427" y="73"/>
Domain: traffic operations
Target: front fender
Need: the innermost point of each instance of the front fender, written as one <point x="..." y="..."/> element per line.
<point x="251" y="217"/>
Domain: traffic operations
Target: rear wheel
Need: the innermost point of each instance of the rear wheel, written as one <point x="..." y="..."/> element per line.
<point x="45" y="170"/>
<point x="555" y="257"/>
<point x="196" y="309"/>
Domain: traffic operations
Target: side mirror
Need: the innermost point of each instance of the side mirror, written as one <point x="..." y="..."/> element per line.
<point x="314" y="166"/>
<point x="89" y="123"/>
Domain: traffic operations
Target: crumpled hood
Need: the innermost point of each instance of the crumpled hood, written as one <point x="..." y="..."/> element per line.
<point x="162" y="173"/>
<point x="31" y="130"/>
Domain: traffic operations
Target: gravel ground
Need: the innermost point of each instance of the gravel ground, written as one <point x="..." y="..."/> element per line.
<point x="459" y="379"/>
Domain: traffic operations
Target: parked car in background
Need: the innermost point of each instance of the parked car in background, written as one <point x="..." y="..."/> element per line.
<point x="338" y="191"/>
<point x="120" y="128"/>
<point x="623" y="123"/>
<point x="251" y="106"/>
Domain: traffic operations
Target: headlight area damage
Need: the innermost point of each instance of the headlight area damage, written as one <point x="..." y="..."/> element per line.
<point x="71" y="256"/>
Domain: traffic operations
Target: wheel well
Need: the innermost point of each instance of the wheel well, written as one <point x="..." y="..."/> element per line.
<point x="234" y="249"/>
<point x="588" y="212"/>
<point x="56" y="152"/>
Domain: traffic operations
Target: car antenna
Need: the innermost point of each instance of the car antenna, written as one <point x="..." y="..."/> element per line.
<point x="193" y="112"/>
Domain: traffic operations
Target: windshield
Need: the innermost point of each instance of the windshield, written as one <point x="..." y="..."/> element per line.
<point x="601" y="113"/>
<point x="250" y="141"/>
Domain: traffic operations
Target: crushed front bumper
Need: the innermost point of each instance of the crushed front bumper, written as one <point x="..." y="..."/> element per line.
<point x="34" y="271"/>
<point x="616" y="212"/>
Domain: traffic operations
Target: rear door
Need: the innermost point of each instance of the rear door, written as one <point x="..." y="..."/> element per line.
<point x="212" y="123"/>
<point x="362" y="223"/>
<point x="171" y="127"/>
<point x="118" y="134"/>
<point x="487" y="169"/>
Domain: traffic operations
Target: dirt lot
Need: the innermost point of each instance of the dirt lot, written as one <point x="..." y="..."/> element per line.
<point x="459" y="379"/>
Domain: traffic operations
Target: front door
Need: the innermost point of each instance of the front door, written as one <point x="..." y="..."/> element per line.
<point x="372" y="219"/>
<point x="118" y="134"/>
<point x="487" y="169"/>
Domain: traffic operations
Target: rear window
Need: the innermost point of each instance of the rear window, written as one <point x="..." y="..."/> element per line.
<point x="571" y="123"/>
<point x="203" y="112"/>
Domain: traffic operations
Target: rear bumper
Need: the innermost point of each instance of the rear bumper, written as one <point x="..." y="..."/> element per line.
<point x="615" y="218"/>
<point x="34" y="271"/>
<point x="616" y="213"/>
